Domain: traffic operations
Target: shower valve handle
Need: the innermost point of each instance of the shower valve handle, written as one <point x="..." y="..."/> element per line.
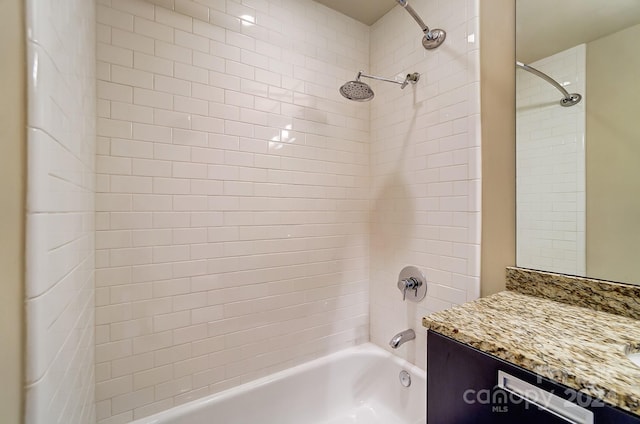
<point x="410" y="283"/>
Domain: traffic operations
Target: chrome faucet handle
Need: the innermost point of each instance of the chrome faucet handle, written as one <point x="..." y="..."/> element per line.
<point x="411" y="278"/>
<point x="410" y="283"/>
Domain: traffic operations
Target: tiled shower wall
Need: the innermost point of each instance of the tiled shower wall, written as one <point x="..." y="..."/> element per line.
<point x="60" y="212"/>
<point x="425" y="167"/>
<point x="232" y="196"/>
<point x="551" y="166"/>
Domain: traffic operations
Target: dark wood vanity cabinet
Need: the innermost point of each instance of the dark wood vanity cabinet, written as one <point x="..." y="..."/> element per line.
<point x="467" y="386"/>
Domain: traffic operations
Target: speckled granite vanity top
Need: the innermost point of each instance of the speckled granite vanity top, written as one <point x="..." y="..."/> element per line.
<point x="579" y="347"/>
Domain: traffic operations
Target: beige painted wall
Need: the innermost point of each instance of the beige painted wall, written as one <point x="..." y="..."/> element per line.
<point x="613" y="150"/>
<point x="497" y="79"/>
<point x="12" y="188"/>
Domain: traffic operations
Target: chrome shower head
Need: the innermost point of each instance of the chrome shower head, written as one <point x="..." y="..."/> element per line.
<point x="357" y="91"/>
<point x="360" y="92"/>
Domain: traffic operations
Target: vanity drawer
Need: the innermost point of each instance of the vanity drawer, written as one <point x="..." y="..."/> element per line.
<point x="465" y="385"/>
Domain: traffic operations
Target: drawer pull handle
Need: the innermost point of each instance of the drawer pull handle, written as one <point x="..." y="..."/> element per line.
<point x="547" y="401"/>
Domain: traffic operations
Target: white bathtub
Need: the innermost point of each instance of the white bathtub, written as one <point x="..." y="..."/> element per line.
<point x="356" y="385"/>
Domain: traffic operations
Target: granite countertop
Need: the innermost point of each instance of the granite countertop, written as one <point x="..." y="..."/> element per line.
<point x="576" y="346"/>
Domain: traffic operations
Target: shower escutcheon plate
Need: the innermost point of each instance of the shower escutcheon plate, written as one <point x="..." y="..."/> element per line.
<point x="412" y="284"/>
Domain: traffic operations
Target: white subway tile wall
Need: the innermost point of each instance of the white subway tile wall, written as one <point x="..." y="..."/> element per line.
<point x="60" y="380"/>
<point x="232" y="196"/>
<point x="425" y="167"/>
<point x="550" y="159"/>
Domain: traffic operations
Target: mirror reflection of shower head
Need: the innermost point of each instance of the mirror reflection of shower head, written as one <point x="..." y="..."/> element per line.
<point x="432" y="37"/>
<point x="359" y="91"/>
<point x="568" y="100"/>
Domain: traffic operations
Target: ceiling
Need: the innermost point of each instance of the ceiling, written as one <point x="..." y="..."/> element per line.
<point x="546" y="27"/>
<point x="365" y="11"/>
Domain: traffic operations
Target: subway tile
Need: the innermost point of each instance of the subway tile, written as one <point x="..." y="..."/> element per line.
<point x="114" y="18"/>
<point x="190" y="366"/>
<point x="206" y="92"/>
<point x="112" y="239"/>
<point x="193" y="9"/>
<point x="143" y="132"/>
<point x="171" y="85"/>
<point x="114" y="387"/>
<point x="131" y="148"/>
<point x="173" y="388"/>
<point x="129" y="112"/>
<point x="174" y="287"/>
<point x="207" y="155"/>
<point x="129" y="220"/>
<point x="152" y="29"/>
<point x="210" y="125"/>
<point x="192" y="106"/>
<point x="190" y="73"/>
<point x="171" y="152"/>
<point x="113" y="313"/>
<point x="206" y="61"/>
<point x="113" y="165"/>
<point x="177" y="352"/>
<point x="152" y="342"/>
<point x="113" y="202"/>
<point x="132" y="364"/>
<point x="171" y="321"/>
<point x="130" y="256"/>
<point x="191" y="41"/>
<point x="112" y="351"/>
<point x="129" y="401"/>
<point x="130" y="184"/>
<point x="172" y="119"/>
<point x="206" y="30"/>
<point x="114" y="128"/>
<point x="151" y="63"/>
<point x="136" y="8"/>
<point x="155" y="237"/>
<point x="163" y="254"/>
<point x="224" y="21"/>
<point x="132" y="41"/>
<point x="129" y="293"/>
<point x="170" y="186"/>
<point x="152" y="408"/>
<point x="151" y="168"/>
<point x="129" y="329"/>
<point x="153" y="376"/>
<point x="110" y="54"/>
<point x="174" y="19"/>
<point x="172" y="52"/>
<point x="190" y="138"/>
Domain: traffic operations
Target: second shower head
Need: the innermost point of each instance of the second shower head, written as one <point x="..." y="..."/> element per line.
<point x="359" y="91"/>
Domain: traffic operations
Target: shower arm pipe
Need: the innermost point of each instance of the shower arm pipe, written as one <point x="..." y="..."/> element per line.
<point x="362" y="74"/>
<point x="410" y="78"/>
<point x="415" y="16"/>
<point x="545" y="77"/>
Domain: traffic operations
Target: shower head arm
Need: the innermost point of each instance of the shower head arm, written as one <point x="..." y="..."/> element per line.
<point x="362" y="74"/>
<point x="410" y="78"/>
<point x="415" y="16"/>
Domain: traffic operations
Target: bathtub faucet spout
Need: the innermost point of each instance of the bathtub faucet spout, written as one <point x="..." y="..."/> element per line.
<point x="401" y="338"/>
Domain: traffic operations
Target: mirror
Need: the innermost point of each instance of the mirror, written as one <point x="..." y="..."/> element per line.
<point x="578" y="167"/>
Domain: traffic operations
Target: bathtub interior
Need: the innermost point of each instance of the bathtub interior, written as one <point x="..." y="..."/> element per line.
<point x="357" y="385"/>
